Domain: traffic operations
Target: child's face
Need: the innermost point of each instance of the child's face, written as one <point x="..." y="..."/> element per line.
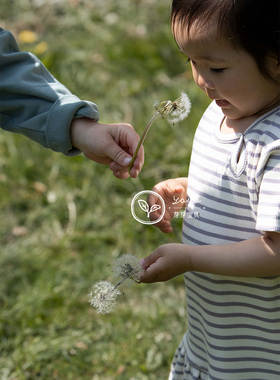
<point x="229" y="76"/>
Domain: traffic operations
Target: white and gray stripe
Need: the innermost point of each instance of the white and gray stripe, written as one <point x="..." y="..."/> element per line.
<point x="233" y="195"/>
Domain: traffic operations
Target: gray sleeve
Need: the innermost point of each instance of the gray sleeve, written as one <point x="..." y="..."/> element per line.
<point x="33" y="102"/>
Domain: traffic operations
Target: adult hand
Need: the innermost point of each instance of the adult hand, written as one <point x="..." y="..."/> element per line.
<point x="108" y="144"/>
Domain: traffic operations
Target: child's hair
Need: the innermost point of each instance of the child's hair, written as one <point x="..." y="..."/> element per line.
<point x="252" y="25"/>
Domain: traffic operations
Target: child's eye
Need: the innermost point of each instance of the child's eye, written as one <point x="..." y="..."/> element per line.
<point x="217" y="71"/>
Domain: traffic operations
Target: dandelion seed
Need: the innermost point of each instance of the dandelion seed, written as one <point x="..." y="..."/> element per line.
<point x="127" y="268"/>
<point x="173" y="112"/>
<point x="181" y="109"/>
<point x="103" y="297"/>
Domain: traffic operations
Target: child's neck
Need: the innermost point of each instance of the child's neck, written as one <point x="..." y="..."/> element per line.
<point x="230" y="126"/>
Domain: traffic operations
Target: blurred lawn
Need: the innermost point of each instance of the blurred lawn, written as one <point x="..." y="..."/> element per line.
<point x="63" y="220"/>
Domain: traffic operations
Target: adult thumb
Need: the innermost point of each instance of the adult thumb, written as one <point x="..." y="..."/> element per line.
<point x="118" y="155"/>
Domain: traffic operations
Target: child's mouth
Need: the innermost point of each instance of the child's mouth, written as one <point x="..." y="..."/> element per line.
<point x="222" y="103"/>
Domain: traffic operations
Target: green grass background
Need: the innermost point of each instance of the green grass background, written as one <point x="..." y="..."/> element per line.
<point x="64" y="220"/>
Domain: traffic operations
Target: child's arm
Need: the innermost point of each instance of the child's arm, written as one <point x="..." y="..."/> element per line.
<point x="174" y="194"/>
<point x="258" y="257"/>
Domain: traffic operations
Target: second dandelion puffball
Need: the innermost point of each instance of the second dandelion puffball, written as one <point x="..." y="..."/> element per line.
<point x="127" y="268"/>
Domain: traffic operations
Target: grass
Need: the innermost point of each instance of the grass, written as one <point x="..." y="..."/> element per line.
<point x="64" y="220"/>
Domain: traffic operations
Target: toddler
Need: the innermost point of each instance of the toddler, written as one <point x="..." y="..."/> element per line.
<point x="230" y="254"/>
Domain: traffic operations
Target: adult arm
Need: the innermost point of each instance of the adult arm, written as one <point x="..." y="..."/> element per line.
<point x="34" y="103"/>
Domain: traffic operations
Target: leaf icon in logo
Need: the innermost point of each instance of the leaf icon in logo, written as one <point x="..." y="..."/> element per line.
<point x="145" y="207"/>
<point x="155" y="208"/>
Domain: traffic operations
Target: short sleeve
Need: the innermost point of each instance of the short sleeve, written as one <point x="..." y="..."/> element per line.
<point x="268" y="211"/>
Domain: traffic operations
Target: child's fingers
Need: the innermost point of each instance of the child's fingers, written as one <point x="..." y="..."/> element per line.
<point x="154" y="268"/>
<point x="164" y="225"/>
<point x="153" y="198"/>
<point x="155" y="214"/>
<point x="149" y="260"/>
<point x="150" y="274"/>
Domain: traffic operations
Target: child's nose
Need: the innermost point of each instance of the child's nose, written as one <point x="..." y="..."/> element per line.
<point x="204" y="83"/>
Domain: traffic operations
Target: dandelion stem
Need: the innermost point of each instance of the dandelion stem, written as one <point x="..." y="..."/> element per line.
<point x="119" y="283"/>
<point x="142" y="138"/>
<point x="172" y="111"/>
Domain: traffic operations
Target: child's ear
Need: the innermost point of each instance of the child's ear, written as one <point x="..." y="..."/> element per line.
<point x="274" y="65"/>
<point x="278" y="66"/>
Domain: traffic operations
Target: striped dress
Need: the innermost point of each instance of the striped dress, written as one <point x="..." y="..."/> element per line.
<point x="233" y="195"/>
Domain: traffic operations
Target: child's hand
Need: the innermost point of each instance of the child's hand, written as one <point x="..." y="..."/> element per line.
<point x="109" y="144"/>
<point x="166" y="262"/>
<point x="174" y="194"/>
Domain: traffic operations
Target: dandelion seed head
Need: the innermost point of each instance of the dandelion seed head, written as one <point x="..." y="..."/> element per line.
<point x="172" y="111"/>
<point x="181" y="109"/>
<point x="175" y="111"/>
<point x="164" y="108"/>
<point x="127" y="268"/>
<point x="103" y="297"/>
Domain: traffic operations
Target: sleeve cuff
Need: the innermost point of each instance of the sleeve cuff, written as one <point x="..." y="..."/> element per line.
<point x="62" y="113"/>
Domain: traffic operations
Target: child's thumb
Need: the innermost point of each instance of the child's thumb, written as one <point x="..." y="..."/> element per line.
<point x="149" y="273"/>
<point x="174" y="188"/>
<point x="149" y="260"/>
